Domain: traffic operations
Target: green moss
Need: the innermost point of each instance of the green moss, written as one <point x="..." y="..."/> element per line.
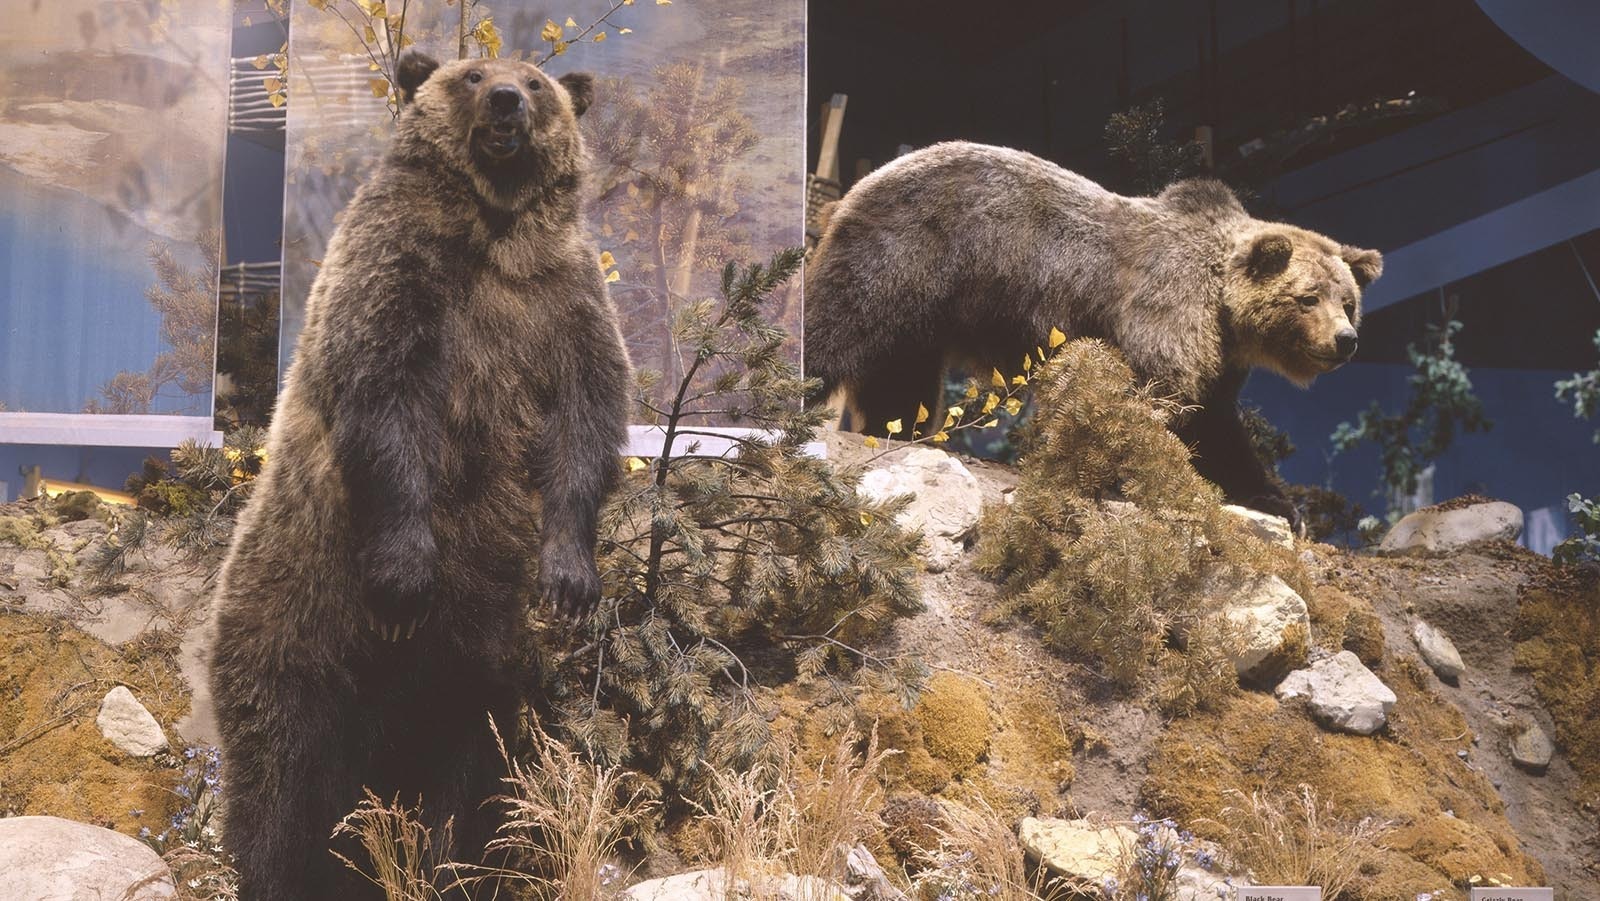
<point x="1558" y="643"/>
<point x="1409" y="777"/>
<point x="22" y="531"/>
<point x="954" y="714"/>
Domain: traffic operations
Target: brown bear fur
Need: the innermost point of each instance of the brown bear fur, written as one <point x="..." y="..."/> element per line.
<point x="967" y="254"/>
<point x="460" y="356"/>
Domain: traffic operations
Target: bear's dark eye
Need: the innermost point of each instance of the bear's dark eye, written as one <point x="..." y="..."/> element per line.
<point x="1308" y="300"/>
<point x="1349" y="311"/>
<point x="534" y="85"/>
<point x="474" y="77"/>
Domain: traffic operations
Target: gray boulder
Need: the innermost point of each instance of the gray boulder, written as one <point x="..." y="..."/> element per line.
<point x="946" y="506"/>
<point x="1438" y="651"/>
<point x="1269" y="528"/>
<point x="51" y="859"/>
<point x="1341" y="693"/>
<point x="1532" y="749"/>
<point x="1441" y="531"/>
<point x="126" y="724"/>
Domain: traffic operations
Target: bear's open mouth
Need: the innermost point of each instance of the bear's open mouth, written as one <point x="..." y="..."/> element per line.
<point x="500" y="140"/>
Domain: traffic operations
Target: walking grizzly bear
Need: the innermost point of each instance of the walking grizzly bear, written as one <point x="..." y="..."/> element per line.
<point x="460" y="355"/>
<point x="970" y="254"/>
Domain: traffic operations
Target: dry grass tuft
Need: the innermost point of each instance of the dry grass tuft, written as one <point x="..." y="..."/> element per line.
<point x="1293" y="839"/>
<point x="978" y="857"/>
<point x="401" y="855"/>
<point x="788" y="818"/>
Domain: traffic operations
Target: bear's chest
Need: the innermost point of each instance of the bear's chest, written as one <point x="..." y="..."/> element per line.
<point x="495" y="343"/>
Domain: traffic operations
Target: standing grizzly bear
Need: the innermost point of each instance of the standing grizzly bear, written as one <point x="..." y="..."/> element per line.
<point x="971" y="254"/>
<point x="460" y="354"/>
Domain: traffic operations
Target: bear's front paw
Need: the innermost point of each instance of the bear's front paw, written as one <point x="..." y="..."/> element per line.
<point x="569" y="582"/>
<point x="397" y="587"/>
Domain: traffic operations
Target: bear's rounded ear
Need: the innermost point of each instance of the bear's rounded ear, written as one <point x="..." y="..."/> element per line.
<point x="1268" y="256"/>
<point x="414" y="69"/>
<point x="580" y="87"/>
<point x="1365" y="265"/>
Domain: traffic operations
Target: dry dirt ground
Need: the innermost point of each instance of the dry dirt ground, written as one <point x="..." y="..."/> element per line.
<point x="1054" y="739"/>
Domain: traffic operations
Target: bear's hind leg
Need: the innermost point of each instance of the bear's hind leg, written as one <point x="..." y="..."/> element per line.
<point x="894" y="390"/>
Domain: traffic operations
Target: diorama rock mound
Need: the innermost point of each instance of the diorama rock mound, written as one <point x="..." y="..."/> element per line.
<point x="1491" y="773"/>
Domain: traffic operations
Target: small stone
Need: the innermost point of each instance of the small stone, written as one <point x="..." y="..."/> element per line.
<point x="865" y="879"/>
<point x="1077" y="849"/>
<point x="1532" y="750"/>
<point x="1273" y="624"/>
<point x="1462" y="753"/>
<point x="128" y="725"/>
<point x="1438" y="651"/>
<point x="947" y="501"/>
<point x="1342" y="694"/>
<point x="1269" y="528"/>
<point x="51" y="859"/>
<point x="1432" y="530"/>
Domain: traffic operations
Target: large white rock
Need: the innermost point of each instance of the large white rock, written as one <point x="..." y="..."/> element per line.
<point x="1269" y="528"/>
<point x="1078" y="849"/>
<point x="1438" y="651"/>
<point x="1342" y="694"/>
<point x="947" y="505"/>
<point x="125" y="722"/>
<point x="51" y="859"/>
<point x="1432" y="531"/>
<point x="1262" y="612"/>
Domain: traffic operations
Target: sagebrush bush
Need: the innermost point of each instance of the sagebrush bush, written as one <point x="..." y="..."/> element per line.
<point x="1113" y="544"/>
<point x="1292" y="838"/>
<point x="724" y="572"/>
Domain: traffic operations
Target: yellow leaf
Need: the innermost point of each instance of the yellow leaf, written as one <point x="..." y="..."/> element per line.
<point x="997" y="380"/>
<point x="870" y="442"/>
<point x="372" y="66"/>
<point x="625" y="30"/>
<point x="607" y="260"/>
<point x="990" y="402"/>
<point x="972" y="391"/>
<point x="1019" y="380"/>
<point x="600" y="37"/>
<point x="922" y="414"/>
<point x="550" y="32"/>
<point x="570" y="23"/>
<point x="276" y="99"/>
<point x="379" y="86"/>
<point x="866" y="519"/>
<point x="956" y="411"/>
<point x="1040" y="352"/>
<point x="663" y="2"/>
<point x="1013" y="405"/>
<point x="260" y="62"/>
<point x="1027" y="362"/>
<point x="1057" y="338"/>
<point x="990" y="424"/>
<point x="272" y="83"/>
<point x="615" y="276"/>
<point x="949" y="420"/>
<point x="371" y="36"/>
<point x="894" y="427"/>
<point x="635" y="464"/>
<point x="378" y="11"/>
<point x="940" y="438"/>
<point x="560" y="48"/>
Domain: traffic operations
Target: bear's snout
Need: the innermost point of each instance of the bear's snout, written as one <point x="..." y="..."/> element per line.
<point x="1345" y="342"/>
<point x="505" y="101"/>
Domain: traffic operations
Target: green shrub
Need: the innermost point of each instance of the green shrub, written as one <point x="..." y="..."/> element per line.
<point x="723" y="573"/>
<point x="1111" y="538"/>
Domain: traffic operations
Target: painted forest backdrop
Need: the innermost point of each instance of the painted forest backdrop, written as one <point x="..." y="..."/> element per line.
<point x="697" y="133"/>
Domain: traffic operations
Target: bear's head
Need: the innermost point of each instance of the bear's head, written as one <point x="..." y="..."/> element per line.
<point x="505" y="123"/>
<point x="1293" y="300"/>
